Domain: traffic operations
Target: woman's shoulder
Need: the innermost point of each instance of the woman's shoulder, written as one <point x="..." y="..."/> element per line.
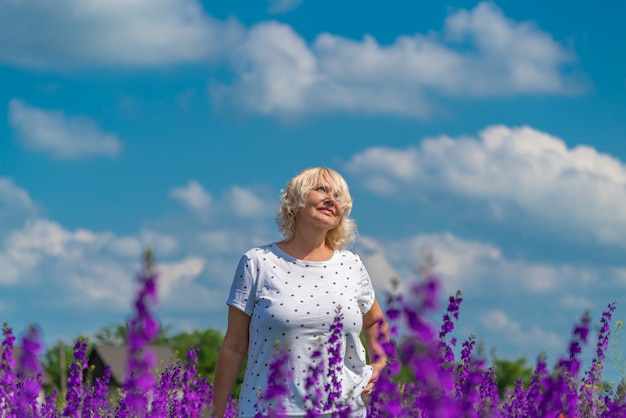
<point x="347" y="254"/>
<point x="260" y="252"/>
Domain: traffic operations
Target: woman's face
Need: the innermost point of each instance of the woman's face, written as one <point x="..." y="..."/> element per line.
<point x="320" y="207"/>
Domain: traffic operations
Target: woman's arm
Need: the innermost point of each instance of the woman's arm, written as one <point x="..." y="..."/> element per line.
<point x="376" y="330"/>
<point x="232" y="355"/>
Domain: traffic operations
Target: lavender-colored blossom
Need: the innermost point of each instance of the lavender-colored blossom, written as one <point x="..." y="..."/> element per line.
<point x="95" y="401"/>
<point x="7" y="373"/>
<point x="29" y="384"/>
<point x="314" y="394"/>
<point x="195" y="390"/>
<point x="49" y="407"/>
<point x="591" y="398"/>
<point x="142" y="329"/>
<point x="335" y="363"/>
<point x="166" y="402"/>
<point x="270" y="402"/>
<point x="452" y="313"/>
<point x="75" y="394"/>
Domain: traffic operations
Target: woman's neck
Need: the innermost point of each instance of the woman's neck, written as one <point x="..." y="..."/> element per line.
<point x="310" y="250"/>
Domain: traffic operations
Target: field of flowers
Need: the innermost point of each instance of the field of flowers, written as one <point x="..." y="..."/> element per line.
<point x="423" y="377"/>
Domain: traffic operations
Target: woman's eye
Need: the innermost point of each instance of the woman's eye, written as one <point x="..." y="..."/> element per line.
<point x="321" y="189"/>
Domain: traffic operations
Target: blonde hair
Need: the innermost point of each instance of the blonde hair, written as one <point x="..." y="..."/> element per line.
<point x="292" y="198"/>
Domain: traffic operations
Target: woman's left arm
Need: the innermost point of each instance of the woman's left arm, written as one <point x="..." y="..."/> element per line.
<point x="376" y="331"/>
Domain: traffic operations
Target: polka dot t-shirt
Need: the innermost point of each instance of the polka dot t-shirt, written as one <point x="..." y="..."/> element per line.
<point x="294" y="302"/>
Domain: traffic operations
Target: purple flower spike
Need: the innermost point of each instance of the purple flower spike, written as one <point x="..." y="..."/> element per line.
<point x="142" y="329"/>
<point x="314" y="395"/>
<point x="335" y="363"/>
<point x="30" y="373"/>
<point x="7" y="373"/>
<point x="278" y="385"/>
<point x="75" y="394"/>
<point x="448" y="326"/>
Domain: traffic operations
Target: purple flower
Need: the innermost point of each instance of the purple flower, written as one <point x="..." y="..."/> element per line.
<point x="314" y="394"/>
<point x="29" y="384"/>
<point x="142" y="329"/>
<point x="335" y="362"/>
<point x="7" y="375"/>
<point x="75" y="394"/>
<point x="99" y="396"/>
<point x="195" y="390"/>
<point x="278" y="385"/>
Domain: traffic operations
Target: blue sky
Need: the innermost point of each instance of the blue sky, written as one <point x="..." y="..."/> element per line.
<point x="491" y="134"/>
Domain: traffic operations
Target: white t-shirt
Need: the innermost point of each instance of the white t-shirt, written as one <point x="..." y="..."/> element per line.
<point x="294" y="302"/>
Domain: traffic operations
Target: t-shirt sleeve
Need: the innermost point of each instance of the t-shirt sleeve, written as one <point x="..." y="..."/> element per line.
<point x="367" y="290"/>
<point x="243" y="289"/>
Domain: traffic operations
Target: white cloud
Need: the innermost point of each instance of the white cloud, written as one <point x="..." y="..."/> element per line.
<point x="87" y="270"/>
<point x="14" y="264"/>
<point x="496" y="288"/>
<point x="193" y="196"/>
<point x="378" y="266"/>
<point x="479" y="53"/>
<point x="16" y="205"/>
<point x="96" y="284"/>
<point x="528" y="58"/>
<point x="237" y="201"/>
<point x="175" y="275"/>
<point x="24" y="249"/>
<point x="48" y="238"/>
<point x="461" y="264"/>
<point x="92" y="273"/>
<point x="93" y="33"/>
<point x="576" y="303"/>
<point x="475" y="267"/>
<point x="282" y="6"/>
<point x="620" y="275"/>
<point x="126" y="247"/>
<point x="162" y="244"/>
<point x="223" y="241"/>
<point x="565" y="190"/>
<point x="13" y="196"/>
<point x="247" y="204"/>
<point x="132" y="247"/>
<point x="16" y="208"/>
<point x="277" y="71"/>
<point x="497" y="321"/>
<point x="63" y="137"/>
<point x="90" y="270"/>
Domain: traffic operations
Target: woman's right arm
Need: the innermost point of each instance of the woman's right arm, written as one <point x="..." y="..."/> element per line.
<point x="232" y="355"/>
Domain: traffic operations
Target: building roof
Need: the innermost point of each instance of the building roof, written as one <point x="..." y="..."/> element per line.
<point x="117" y="358"/>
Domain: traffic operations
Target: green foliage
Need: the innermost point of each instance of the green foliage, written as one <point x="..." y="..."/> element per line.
<point x="508" y="372"/>
<point x="51" y="363"/>
<point x="207" y="342"/>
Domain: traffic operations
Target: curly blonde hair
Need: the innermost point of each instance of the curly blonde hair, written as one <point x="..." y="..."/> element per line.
<point x="295" y="193"/>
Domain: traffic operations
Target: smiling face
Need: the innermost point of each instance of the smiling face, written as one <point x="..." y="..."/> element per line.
<point x="317" y="197"/>
<point x="321" y="207"/>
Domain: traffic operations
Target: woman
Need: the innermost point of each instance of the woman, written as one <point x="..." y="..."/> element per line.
<point x="291" y="291"/>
